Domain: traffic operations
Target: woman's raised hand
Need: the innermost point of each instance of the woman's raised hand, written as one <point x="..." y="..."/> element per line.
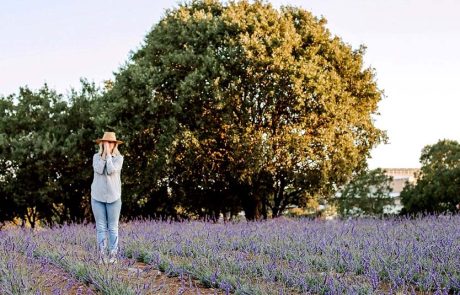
<point x="108" y="148"/>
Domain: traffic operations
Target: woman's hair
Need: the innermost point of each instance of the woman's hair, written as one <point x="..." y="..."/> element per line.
<point x="115" y="150"/>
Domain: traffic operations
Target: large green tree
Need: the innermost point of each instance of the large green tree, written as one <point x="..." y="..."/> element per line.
<point x="7" y="208"/>
<point x="438" y="186"/>
<point x="241" y="105"/>
<point x="366" y="194"/>
<point x="28" y="147"/>
<point x="45" y="154"/>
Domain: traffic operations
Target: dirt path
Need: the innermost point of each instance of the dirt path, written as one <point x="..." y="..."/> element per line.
<point x="160" y="283"/>
<point x="140" y="277"/>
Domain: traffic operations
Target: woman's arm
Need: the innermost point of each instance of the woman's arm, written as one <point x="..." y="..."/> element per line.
<point x="98" y="164"/>
<point x="114" y="164"/>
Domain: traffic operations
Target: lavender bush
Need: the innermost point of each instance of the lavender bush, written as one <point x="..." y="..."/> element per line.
<point x="281" y="256"/>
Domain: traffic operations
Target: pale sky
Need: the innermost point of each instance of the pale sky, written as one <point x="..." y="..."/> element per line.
<point x="414" y="45"/>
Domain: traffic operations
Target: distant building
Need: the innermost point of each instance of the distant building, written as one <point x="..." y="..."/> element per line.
<point x="401" y="176"/>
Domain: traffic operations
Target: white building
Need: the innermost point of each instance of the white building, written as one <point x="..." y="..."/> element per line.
<point x="401" y="176"/>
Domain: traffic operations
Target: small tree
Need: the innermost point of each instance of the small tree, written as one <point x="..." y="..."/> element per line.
<point x="438" y="187"/>
<point x="367" y="194"/>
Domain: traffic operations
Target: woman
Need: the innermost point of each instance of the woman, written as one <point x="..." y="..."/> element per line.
<point x="106" y="195"/>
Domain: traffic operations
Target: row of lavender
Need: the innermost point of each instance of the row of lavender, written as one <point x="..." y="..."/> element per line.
<point x="63" y="261"/>
<point x="365" y="256"/>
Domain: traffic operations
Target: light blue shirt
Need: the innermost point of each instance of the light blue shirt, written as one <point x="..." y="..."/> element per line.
<point x="106" y="186"/>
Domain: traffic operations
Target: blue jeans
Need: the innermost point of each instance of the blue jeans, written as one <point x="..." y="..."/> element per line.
<point x="107" y="215"/>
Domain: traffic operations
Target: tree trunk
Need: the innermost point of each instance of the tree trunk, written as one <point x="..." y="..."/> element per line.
<point x="264" y="208"/>
<point x="253" y="208"/>
<point x="278" y="199"/>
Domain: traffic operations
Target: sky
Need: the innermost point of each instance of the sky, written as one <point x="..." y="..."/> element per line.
<point x="413" y="45"/>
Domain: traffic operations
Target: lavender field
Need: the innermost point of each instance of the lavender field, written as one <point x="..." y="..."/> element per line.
<point x="283" y="256"/>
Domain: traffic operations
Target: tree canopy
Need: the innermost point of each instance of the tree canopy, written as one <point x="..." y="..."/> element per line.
<point x="438" y="186"/>
<point x="44" y="149"/>
<point x="225" y="107"/>
<point x="241" y="104"/>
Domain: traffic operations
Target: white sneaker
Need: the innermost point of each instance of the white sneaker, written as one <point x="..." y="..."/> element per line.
<point x="113" y="258"/>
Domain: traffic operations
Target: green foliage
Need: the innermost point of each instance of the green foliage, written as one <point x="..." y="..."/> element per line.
<point x="366" y="194"/>
<point x="43" y="154"/>
<point x="29" y="143"/>
<point x="240" y="104"/>
<point x="437" y="189"/>
<point x="225" y="107"/>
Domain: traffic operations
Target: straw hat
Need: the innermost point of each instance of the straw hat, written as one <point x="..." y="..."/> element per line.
<point x="108" y="136"/>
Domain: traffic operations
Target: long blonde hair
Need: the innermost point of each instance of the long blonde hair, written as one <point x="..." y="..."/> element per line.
<point x="115" y="150"/>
